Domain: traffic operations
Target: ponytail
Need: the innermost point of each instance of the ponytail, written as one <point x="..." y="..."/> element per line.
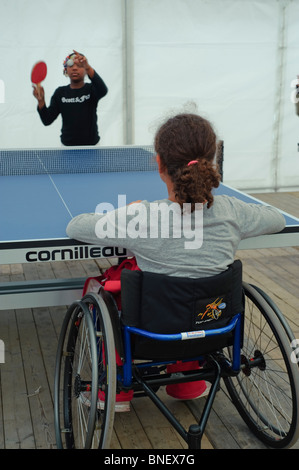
<point x="186" y="144"/>
<point x="194" y="183"/>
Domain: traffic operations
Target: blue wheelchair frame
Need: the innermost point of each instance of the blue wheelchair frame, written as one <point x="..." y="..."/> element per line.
<point x="225" y="352"/>
<point x="133" y="375"/>
<point x="235" y="324"/>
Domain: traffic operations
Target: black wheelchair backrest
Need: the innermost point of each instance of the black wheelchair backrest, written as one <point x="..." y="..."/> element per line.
<point x="167" y="304"/>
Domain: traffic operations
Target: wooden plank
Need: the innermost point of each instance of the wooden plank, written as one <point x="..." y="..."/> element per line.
<point x="38" y="390"/>
<point x="129" y="431"/>
<point x="48" y="342"/>
<point x="225" y="428"/>
<point x="285" y="201"/>
<point x="181" y="412"/>
<point x="18" y="429"/>
<point x="31" y="336"/>
<point x="281" y="272"/>
<point x="160" y="434"/>
<point x="278" y="289"/>
<point x="157" y="428"/>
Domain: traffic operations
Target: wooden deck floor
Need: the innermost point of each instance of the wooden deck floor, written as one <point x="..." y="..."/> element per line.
<point x="31" y="335"/>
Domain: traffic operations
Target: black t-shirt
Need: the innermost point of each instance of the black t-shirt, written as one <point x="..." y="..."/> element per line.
<point x="78" y="108"/>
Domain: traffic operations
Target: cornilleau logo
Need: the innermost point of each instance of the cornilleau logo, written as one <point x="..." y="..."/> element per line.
<point x="73" y="253"/>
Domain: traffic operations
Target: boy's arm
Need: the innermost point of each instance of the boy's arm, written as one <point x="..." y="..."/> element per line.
<point x="39" y="94"/>
<point x="48" y="115"/>
<point x="97" y="81"/>
<point x="99" y="85"/>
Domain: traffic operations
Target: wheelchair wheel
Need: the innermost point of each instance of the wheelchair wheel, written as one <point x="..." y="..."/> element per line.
<point x="266" y="391"/>
<point x="277" y="311"/>
<point x="85" y="364"/>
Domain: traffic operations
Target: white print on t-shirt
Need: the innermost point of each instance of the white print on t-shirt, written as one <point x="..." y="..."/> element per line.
<point x="78" y="99"/>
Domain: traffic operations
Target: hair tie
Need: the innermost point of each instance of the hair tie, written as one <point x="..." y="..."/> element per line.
<point x="192" y="162"/>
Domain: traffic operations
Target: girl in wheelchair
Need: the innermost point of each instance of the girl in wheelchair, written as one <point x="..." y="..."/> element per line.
<point x="185" y="147"/>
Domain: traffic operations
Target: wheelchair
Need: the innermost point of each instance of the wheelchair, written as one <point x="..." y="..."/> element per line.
<point x="233" y="329"/>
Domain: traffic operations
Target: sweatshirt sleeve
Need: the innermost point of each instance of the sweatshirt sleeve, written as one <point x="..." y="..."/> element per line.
<point x="112" y="227"/>
<point x="117" y="227"/>
<point x="257" y="219"/>
<point x="83" y="228"/>
<point x="49" y="114"/>
<point x="99" y="229"/>
<point x="99" y="86"/>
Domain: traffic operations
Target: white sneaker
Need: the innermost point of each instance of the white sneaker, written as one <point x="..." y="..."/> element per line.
<point x="120" y="406"/>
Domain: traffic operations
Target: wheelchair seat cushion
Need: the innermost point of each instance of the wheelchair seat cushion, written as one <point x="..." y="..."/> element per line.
<point x="166" y="304"/>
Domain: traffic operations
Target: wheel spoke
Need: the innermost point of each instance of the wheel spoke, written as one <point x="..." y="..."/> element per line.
<point x="266" y="392"/>
<point x="78" y="422"/>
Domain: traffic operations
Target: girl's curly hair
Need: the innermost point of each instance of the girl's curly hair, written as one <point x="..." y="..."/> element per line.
<point x="183" y="139"/>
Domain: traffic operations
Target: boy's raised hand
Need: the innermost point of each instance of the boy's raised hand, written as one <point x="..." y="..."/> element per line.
<point x="83" y="62"/>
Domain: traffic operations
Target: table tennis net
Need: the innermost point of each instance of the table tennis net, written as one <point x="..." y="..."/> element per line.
<point x="19" y="162"/>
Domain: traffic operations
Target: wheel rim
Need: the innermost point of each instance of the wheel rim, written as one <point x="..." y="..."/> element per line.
<point x="85" y="364"/>
<point x="265" y="391"/>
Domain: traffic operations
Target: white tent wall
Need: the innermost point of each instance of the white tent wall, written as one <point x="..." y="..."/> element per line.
<point x="225" y="57"/>
<point x="32" y="30"/>
<point x="288" y="130"/>
<point x="231" y="60"/>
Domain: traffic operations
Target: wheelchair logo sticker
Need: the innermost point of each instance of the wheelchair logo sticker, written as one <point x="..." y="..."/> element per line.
<point x="213" y="310"/>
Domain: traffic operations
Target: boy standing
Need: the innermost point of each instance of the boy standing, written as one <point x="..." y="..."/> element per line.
<point x="76" y="102"/>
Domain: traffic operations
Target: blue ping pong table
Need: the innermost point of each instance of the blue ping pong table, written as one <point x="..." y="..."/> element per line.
<point x="41" y="190"/>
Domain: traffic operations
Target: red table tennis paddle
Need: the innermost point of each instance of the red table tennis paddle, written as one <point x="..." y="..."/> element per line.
<point x="38" y="73"/>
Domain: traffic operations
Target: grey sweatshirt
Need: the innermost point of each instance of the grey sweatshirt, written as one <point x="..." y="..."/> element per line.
<point x="193" y="244"/>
